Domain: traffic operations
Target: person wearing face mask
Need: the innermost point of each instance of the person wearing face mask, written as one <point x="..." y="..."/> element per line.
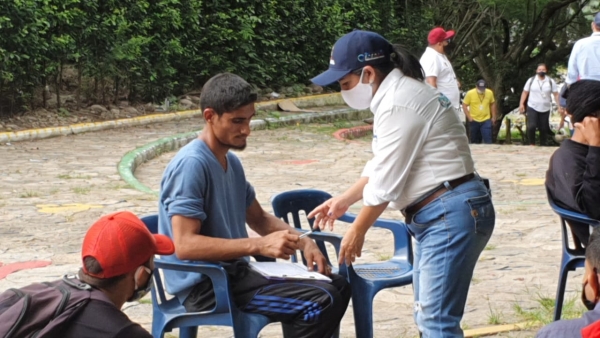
<point x="480" y="108"/>
<point x="590" y="296"/>
<point x="536" y="102"/>
<point x="438" y="69"/>
<point x="118" y="259"/>
<point x="421" y="165"/>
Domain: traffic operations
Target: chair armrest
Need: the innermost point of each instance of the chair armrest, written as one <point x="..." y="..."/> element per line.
<point x="334" y="239"/>
<point x="402" y="242"/>
<point x="214" y="271"/>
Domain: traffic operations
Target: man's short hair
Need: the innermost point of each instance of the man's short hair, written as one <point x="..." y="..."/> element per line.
<point x="93" y="266"/>
<point x="583" y="99"/>
<point x="226" y="92"/>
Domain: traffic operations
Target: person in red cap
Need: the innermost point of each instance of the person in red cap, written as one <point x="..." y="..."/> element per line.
<point x="438" y="69"/>
<point x="117" y="263"/>
<point x="118" y="259"/>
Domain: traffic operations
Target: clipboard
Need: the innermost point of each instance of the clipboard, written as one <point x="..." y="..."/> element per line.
<point x="287" y="271"/>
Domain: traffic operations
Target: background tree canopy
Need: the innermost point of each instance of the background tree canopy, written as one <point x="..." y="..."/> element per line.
<point x="148" y="50"/>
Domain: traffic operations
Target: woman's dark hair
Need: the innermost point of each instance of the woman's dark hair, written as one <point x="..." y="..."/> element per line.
<point x="542" y="64"/>
<point x="403" y="60"/>
<point x="583" y="99"/>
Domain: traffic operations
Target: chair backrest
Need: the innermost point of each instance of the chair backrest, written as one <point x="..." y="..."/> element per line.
<point x="151" y="222"/>
<point x="575" y="220"/>
<point x="294" y="201"/>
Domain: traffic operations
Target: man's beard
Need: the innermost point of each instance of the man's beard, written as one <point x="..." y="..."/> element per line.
<point x="232" y="146"/>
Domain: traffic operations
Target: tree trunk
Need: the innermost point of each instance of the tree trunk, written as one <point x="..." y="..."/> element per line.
<point x="78" y="94"/>
<point x="58" y="80"/>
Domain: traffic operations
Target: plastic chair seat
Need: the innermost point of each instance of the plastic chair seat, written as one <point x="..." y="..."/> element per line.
<point x="384" y="270"/>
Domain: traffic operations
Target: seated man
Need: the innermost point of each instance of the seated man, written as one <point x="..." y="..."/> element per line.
<point x="204" y="205"/>
<point x="590" y="296"/>
<point x="118" y="260"/>
<point x="573" y="177"/>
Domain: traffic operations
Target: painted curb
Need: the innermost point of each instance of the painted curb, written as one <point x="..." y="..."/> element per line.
<point x="133" y="159"/>
<point x="351" y="133"/>
<point x="34" y="134"/>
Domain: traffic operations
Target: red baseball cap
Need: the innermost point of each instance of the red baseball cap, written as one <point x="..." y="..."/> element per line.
<point x="438" y="34"/>
<point x="121" y="242"/>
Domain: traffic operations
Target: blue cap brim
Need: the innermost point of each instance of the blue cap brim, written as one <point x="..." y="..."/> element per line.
<point x="329" y="76"/>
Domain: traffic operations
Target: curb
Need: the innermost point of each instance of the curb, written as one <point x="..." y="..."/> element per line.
<point x="34" y="134"/>
<point x="133" y="159"/>
<point x="351" y="133"/>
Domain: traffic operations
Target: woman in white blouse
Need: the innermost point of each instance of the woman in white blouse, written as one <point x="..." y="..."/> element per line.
<point x="422" y="166"/>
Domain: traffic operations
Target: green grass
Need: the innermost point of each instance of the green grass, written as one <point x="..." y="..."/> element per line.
<point x="384" y="257"/>
<point x="490" y="247"/>
<point x="81" y="190"/>
<point x="119" y="186"/>
<point x="543" y="311"/>
<point x="29" y="194"/>
<point x="71" y="177"/>
<point x="495" y="317"/>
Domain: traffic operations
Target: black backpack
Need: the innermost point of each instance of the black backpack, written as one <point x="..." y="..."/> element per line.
<point x="43" y="309"/>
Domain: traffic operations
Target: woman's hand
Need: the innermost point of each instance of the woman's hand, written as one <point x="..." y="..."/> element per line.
<point x="352" y="244"/>
<point x="326" y="213"/>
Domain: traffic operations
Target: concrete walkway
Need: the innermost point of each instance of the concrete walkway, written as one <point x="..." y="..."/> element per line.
<point x="52" y="190"/>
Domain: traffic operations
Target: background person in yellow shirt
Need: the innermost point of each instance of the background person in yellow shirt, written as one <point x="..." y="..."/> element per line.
<point x="479" y="106"/>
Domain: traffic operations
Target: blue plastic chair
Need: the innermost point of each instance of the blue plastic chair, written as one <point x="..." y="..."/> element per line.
<point x="365" y="279"/>
<point x="572" y="258"/>
<point x="168" y="314"/>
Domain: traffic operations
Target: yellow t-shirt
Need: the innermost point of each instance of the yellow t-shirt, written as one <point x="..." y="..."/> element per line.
<point x="480" y="105"/>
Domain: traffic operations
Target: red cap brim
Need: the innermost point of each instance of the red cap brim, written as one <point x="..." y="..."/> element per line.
<point x="164" y="245"/>
<point x="449" y="35"/>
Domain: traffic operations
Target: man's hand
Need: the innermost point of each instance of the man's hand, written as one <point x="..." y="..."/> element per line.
<point x="279" y="244"/>
<point x="590" y="129"/>
<point x="522" y="108"/>
<point x="313" y="256"/>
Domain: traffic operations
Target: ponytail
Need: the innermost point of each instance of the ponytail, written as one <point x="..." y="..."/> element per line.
<point x="407" y="63"/>
<point x="401" y="59"/>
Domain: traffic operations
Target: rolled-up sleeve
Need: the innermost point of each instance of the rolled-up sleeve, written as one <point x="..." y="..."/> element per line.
<point x="185" y="190"/>
<point x="400" y="134"/>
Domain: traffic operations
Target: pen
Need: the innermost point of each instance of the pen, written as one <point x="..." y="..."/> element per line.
<point x="306" y="234"/>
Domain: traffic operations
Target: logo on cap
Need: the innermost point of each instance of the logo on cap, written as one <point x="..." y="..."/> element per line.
<point x="366" y="56"/>
<point x="331" y="60"/>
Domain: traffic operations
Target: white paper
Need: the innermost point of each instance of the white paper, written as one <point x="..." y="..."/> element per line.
<point x="280" y="270"/>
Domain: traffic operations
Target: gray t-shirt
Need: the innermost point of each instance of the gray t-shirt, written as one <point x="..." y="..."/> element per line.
<point x="195" y="185"/>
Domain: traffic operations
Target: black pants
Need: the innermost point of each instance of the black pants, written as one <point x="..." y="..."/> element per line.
<point x="538" y="120"/>
<point x="306" y="309"/>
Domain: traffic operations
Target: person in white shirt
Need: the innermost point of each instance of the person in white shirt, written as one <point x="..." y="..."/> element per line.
<point x="584" y="62"/>
<point x="538" y="93"/>
<point x="438" y="69"/>
<point x="422" y="165"/>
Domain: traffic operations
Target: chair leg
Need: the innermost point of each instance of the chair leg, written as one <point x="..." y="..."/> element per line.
<point x="560" y="291"/>
<point x="188" y="332"/>
<point x="363" y="315"/>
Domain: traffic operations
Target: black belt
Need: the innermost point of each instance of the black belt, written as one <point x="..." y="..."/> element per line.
<point x="413" y="209"/>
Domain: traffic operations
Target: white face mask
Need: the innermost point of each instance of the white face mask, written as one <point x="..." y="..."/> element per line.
<point x="360" y="96"/>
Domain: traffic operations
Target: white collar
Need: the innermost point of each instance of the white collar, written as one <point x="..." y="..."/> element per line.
<point x="596" y="34"/>
<point x="390" y="80"/>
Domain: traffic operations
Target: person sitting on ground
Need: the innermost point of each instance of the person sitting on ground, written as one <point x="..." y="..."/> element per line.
<point x="590" y="297"/>
<point x="204" y="204"/>
<point x="573" y="177"/>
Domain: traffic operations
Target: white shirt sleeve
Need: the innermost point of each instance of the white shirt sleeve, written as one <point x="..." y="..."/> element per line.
<point x="572" y="70"/>
<point x="528" y="84"/>
<point x="401" y="134"/>
<point x="553" y="86"/>
<point x="431" y="65"/>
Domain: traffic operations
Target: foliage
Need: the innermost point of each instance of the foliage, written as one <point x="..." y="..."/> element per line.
<point x="153" y="49"/>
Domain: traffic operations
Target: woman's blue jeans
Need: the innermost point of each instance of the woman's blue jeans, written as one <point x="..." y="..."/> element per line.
<point x="450" y="233"/>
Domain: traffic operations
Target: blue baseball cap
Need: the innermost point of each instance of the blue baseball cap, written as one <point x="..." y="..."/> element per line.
<point x="597" y="19"/>
<point x="354" y="51"/>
